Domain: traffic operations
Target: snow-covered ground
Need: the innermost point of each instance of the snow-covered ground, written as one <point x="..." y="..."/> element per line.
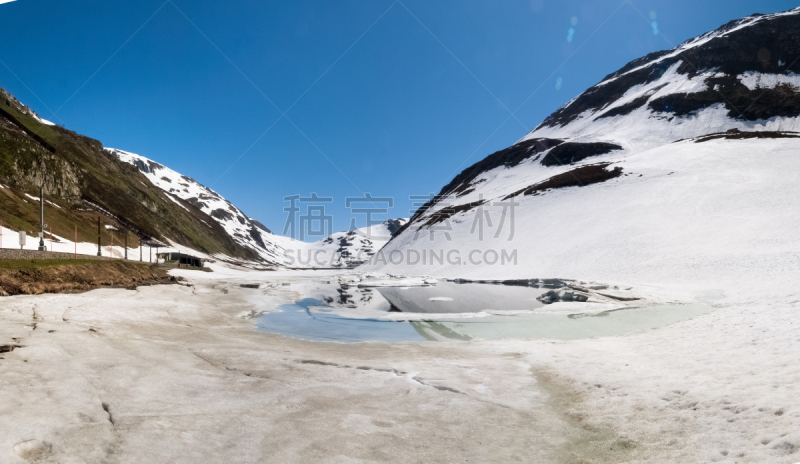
<point x="721" y="387"/>
<point x="177" y="373"/>
<point x="9" y="239"/>
<point x="171" y="374"/>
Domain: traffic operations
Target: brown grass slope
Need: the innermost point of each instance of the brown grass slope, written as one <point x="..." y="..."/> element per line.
<point x="33" y="277"/>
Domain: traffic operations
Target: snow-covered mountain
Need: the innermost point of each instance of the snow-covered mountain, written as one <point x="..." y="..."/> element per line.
<point x="678" y="154"/>
<point x="740" y="76"/>
<point x="342" y="249"/>
<point x="179" y="188"/>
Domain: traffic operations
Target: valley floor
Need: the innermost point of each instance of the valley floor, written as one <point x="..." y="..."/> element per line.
<point x="171" y="374"/>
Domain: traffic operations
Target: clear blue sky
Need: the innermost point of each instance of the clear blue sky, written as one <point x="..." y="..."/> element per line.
<point x="398" y="96"/>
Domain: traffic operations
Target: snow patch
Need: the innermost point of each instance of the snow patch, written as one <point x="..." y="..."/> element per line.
<point x="36" y="199"/>
<point x="756" y="80"/>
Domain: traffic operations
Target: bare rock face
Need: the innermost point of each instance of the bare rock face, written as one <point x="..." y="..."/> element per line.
<point x="58" y="176"/>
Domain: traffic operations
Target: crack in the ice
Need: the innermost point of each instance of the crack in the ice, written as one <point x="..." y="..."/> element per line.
<point x="360" y="368"/>
<point x="205" y="359"/>
<point x="237" y="371"/>
<point x="396" y="372"/>
<point x="438" y="387"/>
<point x="399" y="373"/>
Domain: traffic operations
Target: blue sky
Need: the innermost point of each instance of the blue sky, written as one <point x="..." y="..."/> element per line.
<point x="391" y="98"/>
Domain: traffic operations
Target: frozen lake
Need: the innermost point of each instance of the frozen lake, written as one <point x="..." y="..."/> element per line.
<point x="329" y="311"/>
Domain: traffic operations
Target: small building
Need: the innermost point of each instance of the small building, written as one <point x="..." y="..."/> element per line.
<point x="181" y="259"/>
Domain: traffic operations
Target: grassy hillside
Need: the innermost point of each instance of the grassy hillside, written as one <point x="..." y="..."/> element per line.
<point x="84" y="182"/>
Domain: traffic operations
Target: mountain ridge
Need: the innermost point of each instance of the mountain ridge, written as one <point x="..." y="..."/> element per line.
<point x="246" y="231"/>
<point x="712" y="92"/>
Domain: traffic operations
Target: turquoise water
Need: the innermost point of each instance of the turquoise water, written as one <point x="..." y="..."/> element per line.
<point x="316" y="318"/>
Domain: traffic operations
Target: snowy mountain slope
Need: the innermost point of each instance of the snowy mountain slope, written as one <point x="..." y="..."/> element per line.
<point x="741" y="76"/>
<point x="340" y="250"/>
<point x="719" y="208"/>
<point x="243" y="229"/>
<point x="616" y="158"/>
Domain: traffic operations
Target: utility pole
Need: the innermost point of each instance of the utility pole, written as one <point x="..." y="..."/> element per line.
<point x="41" y="222"/>
<point x="98" y="236"/>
